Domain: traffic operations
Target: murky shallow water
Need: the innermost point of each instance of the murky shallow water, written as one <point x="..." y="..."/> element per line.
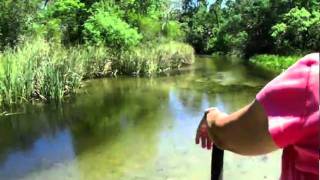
<point x="132" y="128"/>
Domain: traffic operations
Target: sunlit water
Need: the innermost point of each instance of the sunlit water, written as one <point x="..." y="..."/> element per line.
<point x="132" y="128"/>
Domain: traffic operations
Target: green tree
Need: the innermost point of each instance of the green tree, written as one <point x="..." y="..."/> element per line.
<point x="251" y="27"/>
<point x="14" y="19"/>
<point x="198" y="23"/>
<point x="61" y="20"/>
<point x="297" y="30"/>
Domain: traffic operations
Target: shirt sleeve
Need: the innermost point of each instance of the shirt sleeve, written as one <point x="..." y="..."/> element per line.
<point x="284" y="101"/>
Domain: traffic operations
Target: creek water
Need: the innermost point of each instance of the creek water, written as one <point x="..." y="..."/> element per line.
<point x="133" y="128"/>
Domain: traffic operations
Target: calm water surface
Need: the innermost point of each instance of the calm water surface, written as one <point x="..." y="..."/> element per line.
<point x="132" y="128"/>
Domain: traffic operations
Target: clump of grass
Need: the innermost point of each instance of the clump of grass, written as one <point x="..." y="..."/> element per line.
<point x="274" y="63"/>
<point x="173" y="55"/>
<point x="38" y="70"/>
<point x="151" y="59"/>
<point x="95" y="61"/>
<point x="41" y="70"/>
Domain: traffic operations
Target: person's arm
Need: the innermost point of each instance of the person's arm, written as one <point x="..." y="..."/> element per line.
<point x="244" y="131"/>
<point x="278" y="117"/>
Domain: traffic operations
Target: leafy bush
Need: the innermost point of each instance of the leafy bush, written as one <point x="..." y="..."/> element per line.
<point x="173" y="30"/>
<point x="274" y="63"/>
<point x="103" y="28"/>
<point x="150" y="28"/>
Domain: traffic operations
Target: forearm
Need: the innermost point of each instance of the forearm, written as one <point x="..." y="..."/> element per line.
<point x="244" y="131"/>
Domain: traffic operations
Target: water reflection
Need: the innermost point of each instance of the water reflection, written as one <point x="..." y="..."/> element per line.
<point x="46" y="152"/>
<point x="129" y="128"/>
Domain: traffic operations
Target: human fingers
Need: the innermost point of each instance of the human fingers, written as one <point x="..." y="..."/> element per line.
<point x="209" y="143"/>
<point x="197" y="138"/>
<point x="203" y="141"/>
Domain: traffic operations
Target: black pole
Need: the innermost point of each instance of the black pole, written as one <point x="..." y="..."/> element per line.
<point x="216" y="163"/>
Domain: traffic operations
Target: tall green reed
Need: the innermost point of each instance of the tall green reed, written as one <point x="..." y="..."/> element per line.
<point x="38" y="69"/>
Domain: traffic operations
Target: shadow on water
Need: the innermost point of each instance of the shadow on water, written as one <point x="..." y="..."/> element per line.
<point x="129" y="128"/>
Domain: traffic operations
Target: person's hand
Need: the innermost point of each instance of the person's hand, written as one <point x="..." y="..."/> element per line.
<point x="203" y="131"/>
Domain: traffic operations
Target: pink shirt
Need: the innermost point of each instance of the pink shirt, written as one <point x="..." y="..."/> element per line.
<point x="291" y="102"/>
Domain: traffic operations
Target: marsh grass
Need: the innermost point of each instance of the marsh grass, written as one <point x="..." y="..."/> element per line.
<point x="39" y="70"/>
<point x="151" y="59"/>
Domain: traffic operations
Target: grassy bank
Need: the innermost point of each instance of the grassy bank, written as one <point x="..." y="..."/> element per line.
<point x="274" y="63"/>
<point x="44" y="71"/>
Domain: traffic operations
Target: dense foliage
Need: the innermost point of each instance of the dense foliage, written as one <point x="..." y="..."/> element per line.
<point x="107" y="29"/>
<point x="112" y="23"/>
<point x="48" y="46"/>
<point x="222" y="26"/>
<point x="14" y="19"/>
<point x="252" y="27"/>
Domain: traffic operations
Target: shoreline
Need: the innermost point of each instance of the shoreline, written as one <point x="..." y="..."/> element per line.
<point x="40" y="71"/>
